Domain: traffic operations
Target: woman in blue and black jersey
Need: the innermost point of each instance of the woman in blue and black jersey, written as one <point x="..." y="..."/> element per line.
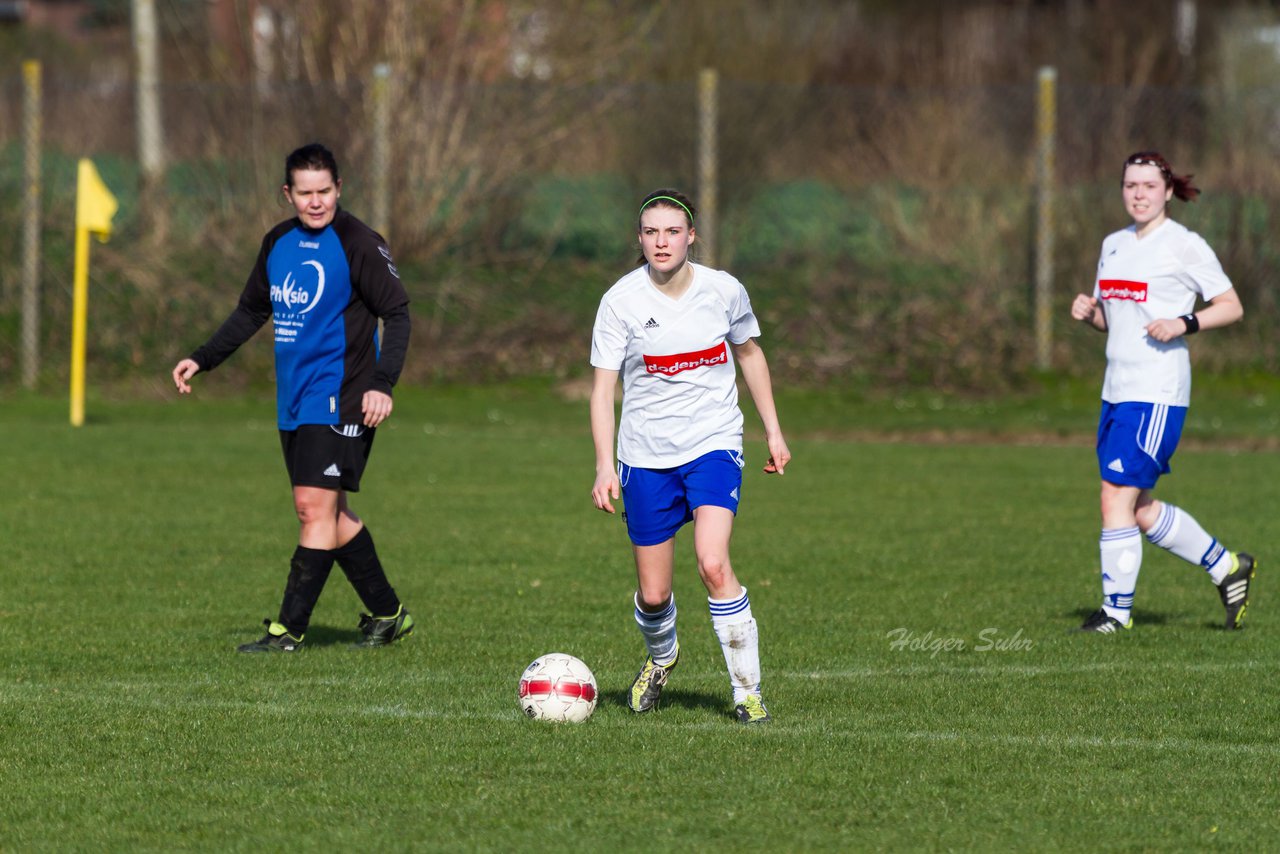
<point x="324" y="278"/>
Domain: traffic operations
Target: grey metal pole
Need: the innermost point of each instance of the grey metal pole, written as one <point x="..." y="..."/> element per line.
<point x="151" y="156"/>
<point x="708" y="107"/>
<point x="382" y="149"/>
<point x="31" y="112"/>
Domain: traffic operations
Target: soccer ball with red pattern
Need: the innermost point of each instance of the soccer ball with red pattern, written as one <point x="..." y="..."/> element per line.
<point x="558" y="687"/>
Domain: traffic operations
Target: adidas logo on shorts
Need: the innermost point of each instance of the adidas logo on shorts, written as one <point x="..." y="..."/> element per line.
<point x="332" y="471"/>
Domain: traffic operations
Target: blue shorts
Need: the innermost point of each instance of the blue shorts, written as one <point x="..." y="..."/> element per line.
<point x="1137" y="440"/>
<point x="659" y="501"/>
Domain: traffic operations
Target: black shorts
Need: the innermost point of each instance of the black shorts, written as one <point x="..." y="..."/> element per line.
<point x="328" y="456"/>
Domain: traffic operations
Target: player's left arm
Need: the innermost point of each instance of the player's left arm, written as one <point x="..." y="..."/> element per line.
<point x="755" y="371"/>
<point x="1223" y="310"/>
<point x="375" y="278"/>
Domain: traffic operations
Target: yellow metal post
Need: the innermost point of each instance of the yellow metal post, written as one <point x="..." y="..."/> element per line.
<point x="79" y="325"/>
<point x="95" y="206"/>
<point x="1046" y="130"/>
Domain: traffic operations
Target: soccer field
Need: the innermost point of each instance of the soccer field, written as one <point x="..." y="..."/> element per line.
<point x="915" y="602"/>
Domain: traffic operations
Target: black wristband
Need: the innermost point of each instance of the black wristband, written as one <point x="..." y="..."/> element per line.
<point x="1193" y="324"/>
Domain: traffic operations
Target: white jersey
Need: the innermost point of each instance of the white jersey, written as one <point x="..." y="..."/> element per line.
<point x="1139" y="281"/>
<point x="679" y="382"/>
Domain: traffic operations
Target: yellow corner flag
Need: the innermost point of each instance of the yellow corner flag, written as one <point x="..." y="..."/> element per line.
<point x="95" y="206"/>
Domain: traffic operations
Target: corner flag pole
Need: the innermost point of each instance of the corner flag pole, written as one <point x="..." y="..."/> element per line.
<point x="95" y="206"/>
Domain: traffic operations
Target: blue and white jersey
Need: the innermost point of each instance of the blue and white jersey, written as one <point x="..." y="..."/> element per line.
<point x="324" y="291"/>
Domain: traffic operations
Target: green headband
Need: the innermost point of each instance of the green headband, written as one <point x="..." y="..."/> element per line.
<point x="682" y="205"/>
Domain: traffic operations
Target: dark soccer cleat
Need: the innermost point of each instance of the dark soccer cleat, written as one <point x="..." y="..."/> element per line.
<point x="1103" y="623"/>
<point x="277" y="639"/>
<point x="381" y="631"/>
<point x="752" y="711"/>
<point x="647" y="687"/>
<point x="1234" y="589"/>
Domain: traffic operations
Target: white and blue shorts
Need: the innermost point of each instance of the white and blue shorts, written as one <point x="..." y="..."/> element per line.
<point x="660" y="501"/>
<point x="1137" y="440"/>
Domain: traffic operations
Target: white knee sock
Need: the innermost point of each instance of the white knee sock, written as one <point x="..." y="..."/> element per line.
<point x="1177" y="531"/>
<point x="739" y="641"/>
<point x="1121" y="553"/>
<point x="659" y="630"/>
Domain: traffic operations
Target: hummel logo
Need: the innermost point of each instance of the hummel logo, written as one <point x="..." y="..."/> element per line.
<point x="1116" y="465"/>
<point x="651" y="324"/>
<point x="332" y="471"/>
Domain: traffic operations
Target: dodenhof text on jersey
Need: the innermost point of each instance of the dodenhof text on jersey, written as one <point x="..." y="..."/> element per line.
<point x="677" y="362"/>
<point x="1122" y="289"/>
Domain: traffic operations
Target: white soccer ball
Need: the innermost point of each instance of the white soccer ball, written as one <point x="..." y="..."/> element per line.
<point x="558" y="687"/>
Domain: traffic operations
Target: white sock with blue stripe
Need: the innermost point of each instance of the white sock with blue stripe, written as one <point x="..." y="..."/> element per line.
<point x="1121" y="552"/>
<point x="739" y="641"/>
<point x="1177" y="531"/>
<point x="659" y="630"/>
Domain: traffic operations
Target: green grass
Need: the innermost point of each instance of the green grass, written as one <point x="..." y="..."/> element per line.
<point x="140" y="549"/>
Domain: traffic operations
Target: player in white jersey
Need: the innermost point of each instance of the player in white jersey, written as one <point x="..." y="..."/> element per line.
<point x="1149" y="277"/>
<point x="673" y="329"/>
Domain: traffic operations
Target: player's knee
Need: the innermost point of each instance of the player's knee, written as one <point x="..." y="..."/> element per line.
<point x="1147" y="514"/>
<point x="715" y="570"/>
<point x="308" y="513"/>
<point x="653" y="599"/>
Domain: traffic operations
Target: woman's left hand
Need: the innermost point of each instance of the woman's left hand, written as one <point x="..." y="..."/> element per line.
<point x="376" y="406"/>
<point x="779" y="455"/>
<point x="1165" y="331"/>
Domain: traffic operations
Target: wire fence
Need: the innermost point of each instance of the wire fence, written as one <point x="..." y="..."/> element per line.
<point x="886" y="234"/>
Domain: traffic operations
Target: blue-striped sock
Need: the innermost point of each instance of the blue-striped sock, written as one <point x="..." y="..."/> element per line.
<point x="1121" y="553"/>
<point x="1177" y="531"/>
<point x="739" y="641"/>
<point x="659" y="630"/>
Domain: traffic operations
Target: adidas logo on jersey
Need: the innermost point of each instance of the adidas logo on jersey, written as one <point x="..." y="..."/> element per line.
<point x="1116" y="465"/>
<point x="332" y="471"/>
<point x="651" y="324"/>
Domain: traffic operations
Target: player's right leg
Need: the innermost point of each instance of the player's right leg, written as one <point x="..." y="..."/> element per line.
<point x="1120" y="559"/>
<point x="307" y="454"/>
<point x="1133" y="450"/>
<point x="655" y="615"/>
<point x="655" y="510"/>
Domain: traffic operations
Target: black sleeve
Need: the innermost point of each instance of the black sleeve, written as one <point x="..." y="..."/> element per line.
<point x="395" y="344"/>
<point x="250" y="313"/>
<point x="376" y="280"/>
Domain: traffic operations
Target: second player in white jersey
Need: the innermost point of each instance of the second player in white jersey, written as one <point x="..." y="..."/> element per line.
<point x="1150" y="276"/>
<point x="1140" y="281"/>
<point x="679" y="380"/>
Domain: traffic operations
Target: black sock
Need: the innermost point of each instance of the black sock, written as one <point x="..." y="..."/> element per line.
<point x="308" y="571"/>
<point x="359" y="560"/>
